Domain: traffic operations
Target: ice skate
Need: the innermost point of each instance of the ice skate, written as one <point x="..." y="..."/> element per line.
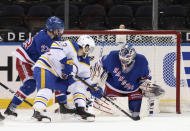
<point x="65" y="110"/>
<point x="9" y="112"/>
<point x="40" y="117"/>
<point x="85" y="115"/>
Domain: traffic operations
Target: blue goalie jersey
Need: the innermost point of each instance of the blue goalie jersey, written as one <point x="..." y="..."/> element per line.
<point x="124" y="82"/>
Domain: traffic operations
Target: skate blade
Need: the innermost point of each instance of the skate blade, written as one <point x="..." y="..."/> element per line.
<point x="43" y="120"/>
<point x="46" y="120"/>
<point x="91" y="119"/>
<point x="88" y="119"/>
<point x="10" y="117"/>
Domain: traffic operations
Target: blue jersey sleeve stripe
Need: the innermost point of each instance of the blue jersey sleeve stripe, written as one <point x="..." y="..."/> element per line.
<point x="79" y="99"/>
<point x="78" y="93"/>
<point x="42" y="97"/>
<point x="56" y="48"/>
<point x="40" y="102"/>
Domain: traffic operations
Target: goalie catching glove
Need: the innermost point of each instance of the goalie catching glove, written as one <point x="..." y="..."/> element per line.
<point x="150" y="90"/>
<point x="96" y="91"/>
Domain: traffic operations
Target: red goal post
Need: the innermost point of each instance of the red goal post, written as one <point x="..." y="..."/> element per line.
<point x="155" y="42"/>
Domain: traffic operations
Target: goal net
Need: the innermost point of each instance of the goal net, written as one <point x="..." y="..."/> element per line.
<point x="161" y="48"/>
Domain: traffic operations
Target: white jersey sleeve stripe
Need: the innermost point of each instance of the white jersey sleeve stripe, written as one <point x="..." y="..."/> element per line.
<point x="41" y="63"/>
<point x="55" y="45"/>
<point x="46" y="59"/>
<point x="85" y="64"/>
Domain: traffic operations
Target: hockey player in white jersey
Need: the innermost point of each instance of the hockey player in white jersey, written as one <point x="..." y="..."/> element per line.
<point x="53" y="71"/>
<point x="128" y="75"/>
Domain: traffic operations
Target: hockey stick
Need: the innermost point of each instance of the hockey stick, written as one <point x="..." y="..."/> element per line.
<point x="108" y="99"/>
<point x="13" y="92"/>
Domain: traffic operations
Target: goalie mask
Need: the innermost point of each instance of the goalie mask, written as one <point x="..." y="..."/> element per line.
<point x="86" y="43"/>
<point x="127" y="55"/>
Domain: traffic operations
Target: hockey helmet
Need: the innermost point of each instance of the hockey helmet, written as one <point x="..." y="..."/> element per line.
<point x="54" y="23"/>
<point x="86" y="40"/>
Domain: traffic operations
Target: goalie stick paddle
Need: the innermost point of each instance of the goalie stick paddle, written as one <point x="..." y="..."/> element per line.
<point x="11" y="91"/>
<point x="108" y="99"/>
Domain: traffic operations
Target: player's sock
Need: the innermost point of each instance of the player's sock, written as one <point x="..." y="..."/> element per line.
<point x="16" y="101"/>
<point x="28" y="88"/>
<point x="10" y="111"/>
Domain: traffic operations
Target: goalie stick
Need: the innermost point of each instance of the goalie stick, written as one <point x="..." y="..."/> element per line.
<point x="108" y="99"/>
<point x="13" y="92"/>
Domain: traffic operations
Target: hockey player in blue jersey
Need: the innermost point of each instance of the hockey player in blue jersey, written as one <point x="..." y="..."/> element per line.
<point x="28" y="54"/>
<point x="52" y="72"/>
<point x="128" y="75"/>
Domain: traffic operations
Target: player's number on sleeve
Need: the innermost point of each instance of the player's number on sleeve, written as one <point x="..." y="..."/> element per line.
<point x="27" y="43"/>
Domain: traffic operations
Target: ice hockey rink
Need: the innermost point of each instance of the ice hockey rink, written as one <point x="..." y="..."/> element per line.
<point x="158" y="122"/>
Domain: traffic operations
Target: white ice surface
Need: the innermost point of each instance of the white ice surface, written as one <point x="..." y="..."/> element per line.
<point x="160" y="122"/>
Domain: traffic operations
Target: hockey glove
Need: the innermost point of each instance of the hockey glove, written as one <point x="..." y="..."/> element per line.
<point x="98" y="92"/>
<point x="68" y="68"/>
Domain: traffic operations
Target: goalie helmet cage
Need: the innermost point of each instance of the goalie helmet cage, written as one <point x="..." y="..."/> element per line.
<point x="138" y="39"/>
